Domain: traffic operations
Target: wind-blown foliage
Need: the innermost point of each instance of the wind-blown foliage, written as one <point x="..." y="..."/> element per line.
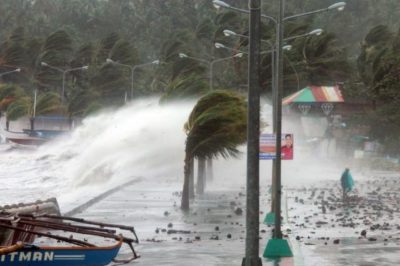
<point x="8" y="94"/>
<point x="19" y="108"/>
<point x="379" y="66"/>
<point x="325" y="60"/>
<point x="56" y="51"/>
<point x="215" y="127"/>
<point x="373" y="48"/>
<point x="185" y="88"/>
<point x="47" y="103"/>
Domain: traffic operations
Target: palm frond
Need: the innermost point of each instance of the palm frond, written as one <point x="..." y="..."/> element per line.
<point x="8" y="94"/>
<point x="49" y="103"/>
<point x="19" y="108"/>
<point x="216" y="125"/>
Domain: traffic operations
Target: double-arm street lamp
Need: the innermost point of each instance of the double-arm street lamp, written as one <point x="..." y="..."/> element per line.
<point x="285" y="47"/>
<point x="337" y="6"/>
<point x="220" y="45"/>
<point x="132" y="68"/>
<point x="276" y="247"/>
<point x="64" y="72"/>
<point x="10" y="72"/>
<point x="313" y="32"/>
<point x="211" y="63"/>
<point x="316" y="32"/>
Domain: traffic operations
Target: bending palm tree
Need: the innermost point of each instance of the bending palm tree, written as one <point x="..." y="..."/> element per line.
<point x="23" y="105"/>
<point x="216" y="126"/>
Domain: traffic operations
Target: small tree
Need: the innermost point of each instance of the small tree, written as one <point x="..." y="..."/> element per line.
<point x="216" y="126"/>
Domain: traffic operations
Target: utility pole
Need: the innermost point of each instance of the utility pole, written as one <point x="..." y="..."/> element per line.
<point x="277" y="246"/>
<point x="278" y="104"/>
<point x="253" y="139"/>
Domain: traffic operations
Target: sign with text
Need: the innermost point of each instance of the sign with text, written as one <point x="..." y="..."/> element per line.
<point x="268" y="147"/>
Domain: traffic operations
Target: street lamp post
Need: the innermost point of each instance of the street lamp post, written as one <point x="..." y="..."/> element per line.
<point x="208" y="63"/>
<point x="278" y="247"/>
<point x="132" y="68"/>
<point x="211" y="63"/>
<point x="270" y="217"/>
<point x="278" y="116"/>
<point x="10" y="72"/>
<point x="64" y="72"/>
<point x="253" y="139"/>
<point x="313" y="32"/>
<point x="337" y="6"/>
<point x="286" y="47"/>
<point x="219" y="60"/>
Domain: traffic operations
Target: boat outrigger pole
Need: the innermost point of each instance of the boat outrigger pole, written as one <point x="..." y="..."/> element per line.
<point x="80" y="220"/>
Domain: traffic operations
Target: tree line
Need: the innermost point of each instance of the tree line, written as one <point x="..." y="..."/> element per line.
<point x="358" y="47"/>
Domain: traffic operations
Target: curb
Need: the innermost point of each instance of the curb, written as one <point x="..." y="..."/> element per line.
<point x="98" y="198"/>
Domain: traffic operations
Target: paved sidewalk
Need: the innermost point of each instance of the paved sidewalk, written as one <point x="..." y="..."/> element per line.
<point x="212" y="234"/>
<point x="320" y="230"/>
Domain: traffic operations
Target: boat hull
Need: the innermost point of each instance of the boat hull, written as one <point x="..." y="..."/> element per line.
<point x="61" y="256"/>
<point x="23" y="138"/>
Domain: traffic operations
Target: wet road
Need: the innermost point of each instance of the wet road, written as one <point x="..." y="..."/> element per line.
<point x="213" y="233"/>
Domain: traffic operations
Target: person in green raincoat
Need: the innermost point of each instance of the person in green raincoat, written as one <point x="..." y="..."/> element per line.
<point x="347" y="183"/>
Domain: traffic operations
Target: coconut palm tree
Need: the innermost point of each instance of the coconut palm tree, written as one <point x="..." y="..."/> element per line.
<point x="215" y="127"/>
<point x="56" y="51"/>
<point x="374" y="48"/>
<point x="319" y="60"/>
<point x="379" y="66"/>
<point x="110" y="81"/>
<point x="8" y="93"/>
<point x="23" y="106"/>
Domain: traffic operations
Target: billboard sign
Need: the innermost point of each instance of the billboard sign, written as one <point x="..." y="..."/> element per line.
<point x="268" y="147"/>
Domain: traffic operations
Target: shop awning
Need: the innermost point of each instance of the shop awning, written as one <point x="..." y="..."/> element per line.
<point x="315" y="94"/>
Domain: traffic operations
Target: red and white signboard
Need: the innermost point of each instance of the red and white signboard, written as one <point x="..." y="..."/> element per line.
<point x="268" y="147"/>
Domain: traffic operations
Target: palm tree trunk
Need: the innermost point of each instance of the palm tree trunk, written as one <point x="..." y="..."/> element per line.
<point x="185" y="190"/>
<point x="210" y="172"/>
<point x="191" y="179"/>
<point x="200" y="176"/>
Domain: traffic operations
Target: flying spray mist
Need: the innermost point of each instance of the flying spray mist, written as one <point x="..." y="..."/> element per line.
<point x="142" y="139"/>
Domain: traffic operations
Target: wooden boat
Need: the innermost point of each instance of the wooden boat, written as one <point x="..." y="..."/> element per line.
<point x="9" y="237"/>
<point x="23" y="138"/>
<point x="26" y="254"/>
<point x="38" y="130"/>
<point x="81" y="254"/>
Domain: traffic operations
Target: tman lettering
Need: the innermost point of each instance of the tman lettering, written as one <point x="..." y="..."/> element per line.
<point x="28" y="256"/>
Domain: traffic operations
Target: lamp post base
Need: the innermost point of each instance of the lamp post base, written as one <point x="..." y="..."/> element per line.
<point x="252" y="262"/>
<point x="277" y="248"/>
<point x="269" y="218"/>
